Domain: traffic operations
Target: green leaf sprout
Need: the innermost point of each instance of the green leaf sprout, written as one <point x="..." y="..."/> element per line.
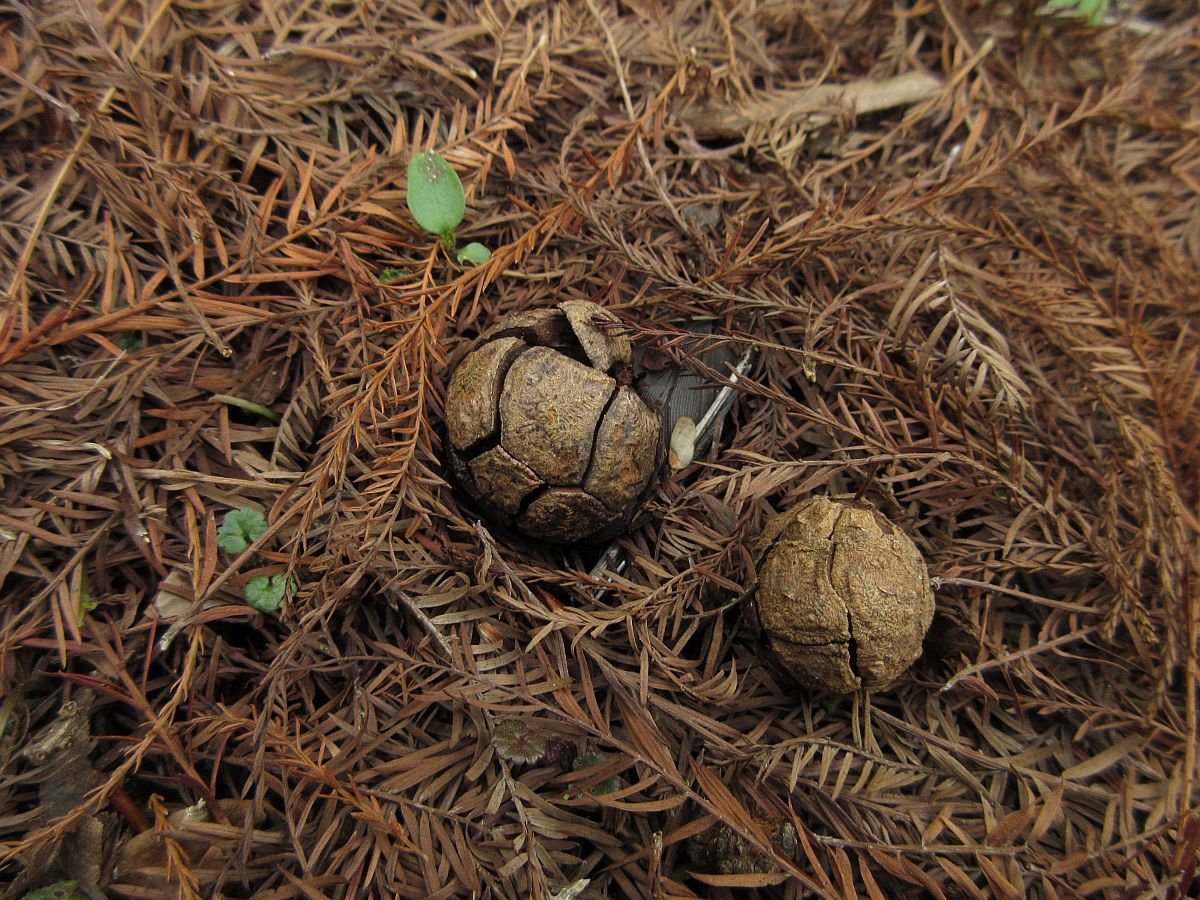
<point x="590" y="758"/>
<point x="247" y="405"/>
<point x="1092" y="10"/>
<point x="86" y="602"/>
<point x="474" y="253"/>
<point x="60" y="890"/>
<point x="391" y="274"/>
<point x="241" y="528"/>
<point x="435" y="195"/>
<point x="267" y="593"/>
<point x="515" y="741"/>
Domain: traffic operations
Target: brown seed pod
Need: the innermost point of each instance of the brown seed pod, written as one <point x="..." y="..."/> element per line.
<point x="843" y="596"/>
<point x="545" y="432"/>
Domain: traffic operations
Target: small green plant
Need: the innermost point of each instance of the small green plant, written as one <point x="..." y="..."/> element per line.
<point x="532" y="741"/>
<point x="589" y="758"/>
<point x="241" y="528"/>
<point x="515" y="741"/>
<point x="85" y="605"/>
<point x="86" y="601"/>
<point x="390" y="274"/>
<point x="435" y="195"/>
<point x="1092" y="10"/>
<point x="474" y="253"/>
<point x="267" y="593"/>
<point x="437" y="201"/>
<point x="247" y="405"/>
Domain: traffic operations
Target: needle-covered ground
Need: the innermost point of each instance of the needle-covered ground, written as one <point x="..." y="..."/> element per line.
<point x="963" y="239"/>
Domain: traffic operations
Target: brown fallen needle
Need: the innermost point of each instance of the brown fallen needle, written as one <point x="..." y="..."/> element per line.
<point x="820" y="104"/>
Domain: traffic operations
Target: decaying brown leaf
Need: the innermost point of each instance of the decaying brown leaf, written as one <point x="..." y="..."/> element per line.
<point x="59" y="760"/>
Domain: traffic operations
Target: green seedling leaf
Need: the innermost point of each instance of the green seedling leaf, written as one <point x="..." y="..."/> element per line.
<point x="517" y="742"/>
<point x="241" y="528"/>
<point x="267" y="593"/>
<point x="247" y="405"/>
<point x="589" y="758"/>
<point x="474" y="253"/>
<point x="390" y="275"/>
<point x="85" y="607"/>
<point x="60" y="890"/>
<point x="86" y="603"/>
<point x="1092" y="10"/>
<point x="532" y="741"/>
<point x="435" y="195"/>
